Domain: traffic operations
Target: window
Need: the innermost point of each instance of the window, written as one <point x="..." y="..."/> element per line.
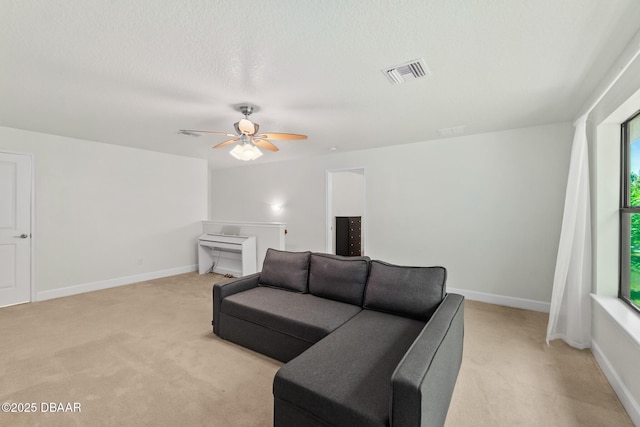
<point x="630" y="212"/>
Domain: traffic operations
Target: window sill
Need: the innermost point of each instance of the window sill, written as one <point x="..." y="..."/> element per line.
<point x="623" y="315"/>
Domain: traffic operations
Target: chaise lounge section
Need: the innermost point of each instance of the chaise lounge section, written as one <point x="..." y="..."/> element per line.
<point x="366" y="343"/>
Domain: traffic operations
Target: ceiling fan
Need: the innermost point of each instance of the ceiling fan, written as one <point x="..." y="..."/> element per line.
<point x="247" y="136"/>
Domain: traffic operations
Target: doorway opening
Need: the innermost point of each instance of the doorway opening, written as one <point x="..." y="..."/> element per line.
<point x="345" y="198"/>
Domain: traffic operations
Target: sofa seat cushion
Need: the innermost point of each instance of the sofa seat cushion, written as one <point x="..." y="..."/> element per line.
<point x="345" y="379"/>
<point x="303" y="316"/>
<point x="407" y="291"/>
<point x="338" y="278"/>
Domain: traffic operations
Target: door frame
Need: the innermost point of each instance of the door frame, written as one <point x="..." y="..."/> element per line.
<point x="329" y="205"/>
<point x="32" y="222"/>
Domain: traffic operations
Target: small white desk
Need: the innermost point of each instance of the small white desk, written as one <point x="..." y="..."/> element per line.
<point x="235" y="255"/>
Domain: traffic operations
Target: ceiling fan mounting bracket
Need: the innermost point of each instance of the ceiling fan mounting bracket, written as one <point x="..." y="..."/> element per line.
<point x="246" y="109"/>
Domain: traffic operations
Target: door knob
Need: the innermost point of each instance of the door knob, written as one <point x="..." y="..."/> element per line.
<point x="22" y="236"/>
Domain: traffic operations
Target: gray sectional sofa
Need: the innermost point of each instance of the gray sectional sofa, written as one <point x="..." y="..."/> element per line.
<point x="365" y="343"/>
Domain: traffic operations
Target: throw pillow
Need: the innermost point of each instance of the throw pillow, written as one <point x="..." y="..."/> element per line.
<point x="338" y="278"/>
<point x="285" y="270"/>
<point x="408" y="291"/>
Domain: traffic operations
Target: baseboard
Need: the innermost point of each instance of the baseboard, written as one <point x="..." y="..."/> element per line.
<point x="127" y="280"/>
<point x="623" y="393"/>
<point x="111" y="283"/>
<point x="527" y="304"/>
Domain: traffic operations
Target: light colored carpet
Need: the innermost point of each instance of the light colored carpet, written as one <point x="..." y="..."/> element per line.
<point x="145" y="354"/>
<point x="511" y="377"/>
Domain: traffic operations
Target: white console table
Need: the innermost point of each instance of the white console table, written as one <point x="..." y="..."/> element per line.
<point x="234" y="255"/>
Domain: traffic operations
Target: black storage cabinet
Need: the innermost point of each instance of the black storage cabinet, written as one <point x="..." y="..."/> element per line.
<point x="349" y="235"/>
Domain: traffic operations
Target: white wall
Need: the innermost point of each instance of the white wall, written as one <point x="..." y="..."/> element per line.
<point x="108" y="214"/>
<point x="488" y="207"/>
<point x="348" y="193"/>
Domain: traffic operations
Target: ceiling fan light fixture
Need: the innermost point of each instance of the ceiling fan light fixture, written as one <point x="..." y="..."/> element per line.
<point x="246" y="152"/>
<point x="246" y="127"/>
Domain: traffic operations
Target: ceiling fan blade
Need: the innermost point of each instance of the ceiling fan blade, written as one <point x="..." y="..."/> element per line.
<point x="225" y="143"/>
<point x="282" y="136"/>
<point x="189" y="131"/>
<point x="263" y="143"/>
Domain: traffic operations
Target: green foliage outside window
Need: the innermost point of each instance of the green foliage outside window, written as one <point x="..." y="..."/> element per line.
<point x="634" y="199"/>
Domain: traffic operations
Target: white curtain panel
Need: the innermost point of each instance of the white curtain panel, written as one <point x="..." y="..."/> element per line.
<point x="570" y="312"/>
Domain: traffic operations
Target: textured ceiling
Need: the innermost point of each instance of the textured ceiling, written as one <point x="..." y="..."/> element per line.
<point x="133" y="72"/>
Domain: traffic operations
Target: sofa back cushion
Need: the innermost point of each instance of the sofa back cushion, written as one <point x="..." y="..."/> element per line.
<point x="338" y="278"/>
<point x="413" y="292"/>
<point x="285" y="270"/>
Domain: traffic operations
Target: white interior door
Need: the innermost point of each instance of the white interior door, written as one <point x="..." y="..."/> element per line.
<point x="15" y="229"/>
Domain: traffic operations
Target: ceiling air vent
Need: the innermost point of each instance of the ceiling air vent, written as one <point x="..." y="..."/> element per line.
<point x="406" y="72"/>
